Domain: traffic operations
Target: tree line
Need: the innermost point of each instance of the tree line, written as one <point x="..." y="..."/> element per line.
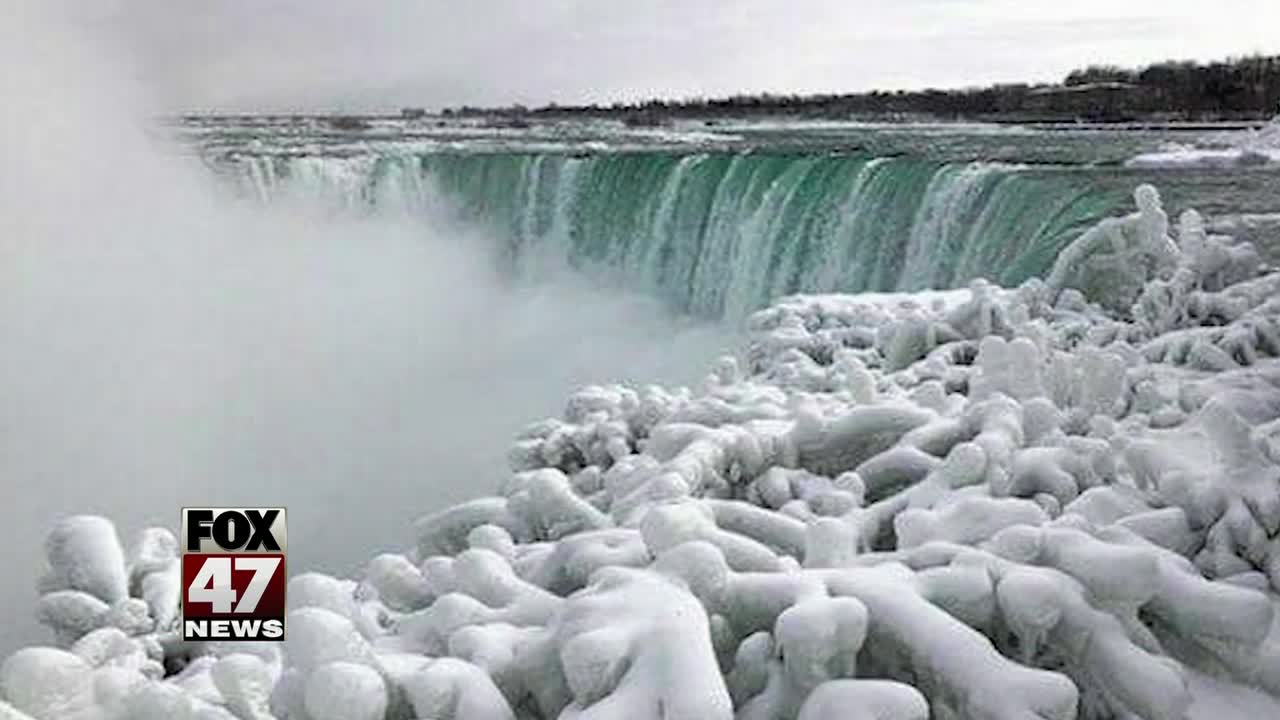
<point x="1241" y="89"/>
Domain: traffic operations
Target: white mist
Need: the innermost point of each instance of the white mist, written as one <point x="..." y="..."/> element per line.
<point x="160" y="346"/>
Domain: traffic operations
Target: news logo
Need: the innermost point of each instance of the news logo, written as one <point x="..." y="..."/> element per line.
<point x="233" y="573"/>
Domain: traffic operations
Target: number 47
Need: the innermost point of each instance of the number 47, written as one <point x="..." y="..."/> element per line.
<point x="213" y="583"/>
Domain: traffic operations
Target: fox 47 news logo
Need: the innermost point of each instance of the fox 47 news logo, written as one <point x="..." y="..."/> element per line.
<point x="233" y="573"/>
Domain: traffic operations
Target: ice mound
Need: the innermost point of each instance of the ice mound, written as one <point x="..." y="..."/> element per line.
<point x="1055" y="501"/>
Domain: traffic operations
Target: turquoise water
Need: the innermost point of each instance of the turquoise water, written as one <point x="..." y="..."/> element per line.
<point x="719" y="234"/>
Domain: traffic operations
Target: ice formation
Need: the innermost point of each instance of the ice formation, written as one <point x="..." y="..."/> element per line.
<point x="1045" y="502"/>
<point x="1247" y="148"/>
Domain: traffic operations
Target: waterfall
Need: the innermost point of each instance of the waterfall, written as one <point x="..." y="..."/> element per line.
<point x="719" y="234"/>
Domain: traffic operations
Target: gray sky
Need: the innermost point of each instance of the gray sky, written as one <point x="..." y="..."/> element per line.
<point x="381" y="54"/>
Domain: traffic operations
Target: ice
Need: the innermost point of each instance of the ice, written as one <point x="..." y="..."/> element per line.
<point x="864" y="700"/>
<point x="399" y="584"/>
<point x="346" y="691"/>
<point x="1248" y="148"/>
<point x="1112" y="262"/>
<point x="244" y="681"/>
<point x="85" y="555"/>
<point x="45" y="682"/>
<point x="1055" y="501"/>
<point x="1182" y="156"/>
<point x="452" y="689"/>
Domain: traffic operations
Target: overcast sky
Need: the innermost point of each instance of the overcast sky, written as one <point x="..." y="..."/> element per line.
<point x="382" y="54"/>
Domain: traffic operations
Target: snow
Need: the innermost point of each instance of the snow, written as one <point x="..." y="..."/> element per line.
<point x="1055" y="501"/>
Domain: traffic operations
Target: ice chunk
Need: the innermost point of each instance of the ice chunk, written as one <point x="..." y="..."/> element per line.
<point x="46" y="683"/>
<point x="398" y="583"/>
<point x="84" y="554"/>
<point x="864" y="700"/>
<point x="637" y="644"/>
<point x="346" y="691"/>
<point x="450" y="689"/>
<point x="317" y="637"/>
<point x="245" y="683"/>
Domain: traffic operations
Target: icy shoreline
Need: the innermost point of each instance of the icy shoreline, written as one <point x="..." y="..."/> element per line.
<point x="1055" y="501"/>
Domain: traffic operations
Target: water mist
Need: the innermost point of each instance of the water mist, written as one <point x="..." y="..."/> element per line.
<point x="164" y="346"/>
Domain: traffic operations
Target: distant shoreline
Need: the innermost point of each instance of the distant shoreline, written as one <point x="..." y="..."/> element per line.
<point x="497" y="118"/>
<point x="1242" y="92"/>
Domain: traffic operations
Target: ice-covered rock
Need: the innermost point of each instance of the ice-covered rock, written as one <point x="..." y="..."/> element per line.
<point x="84" y="554"/>
<point x="346" y="691"/>
<point x="1112" y="262"/>
<point x="46" y="683"/>
<point x="637" y="644"/>
<point x="1055" y="501"/>
<point x="452" y="689"/>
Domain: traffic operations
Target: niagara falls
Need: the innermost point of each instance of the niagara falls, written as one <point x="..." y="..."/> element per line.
<point x="415" y="360"/>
